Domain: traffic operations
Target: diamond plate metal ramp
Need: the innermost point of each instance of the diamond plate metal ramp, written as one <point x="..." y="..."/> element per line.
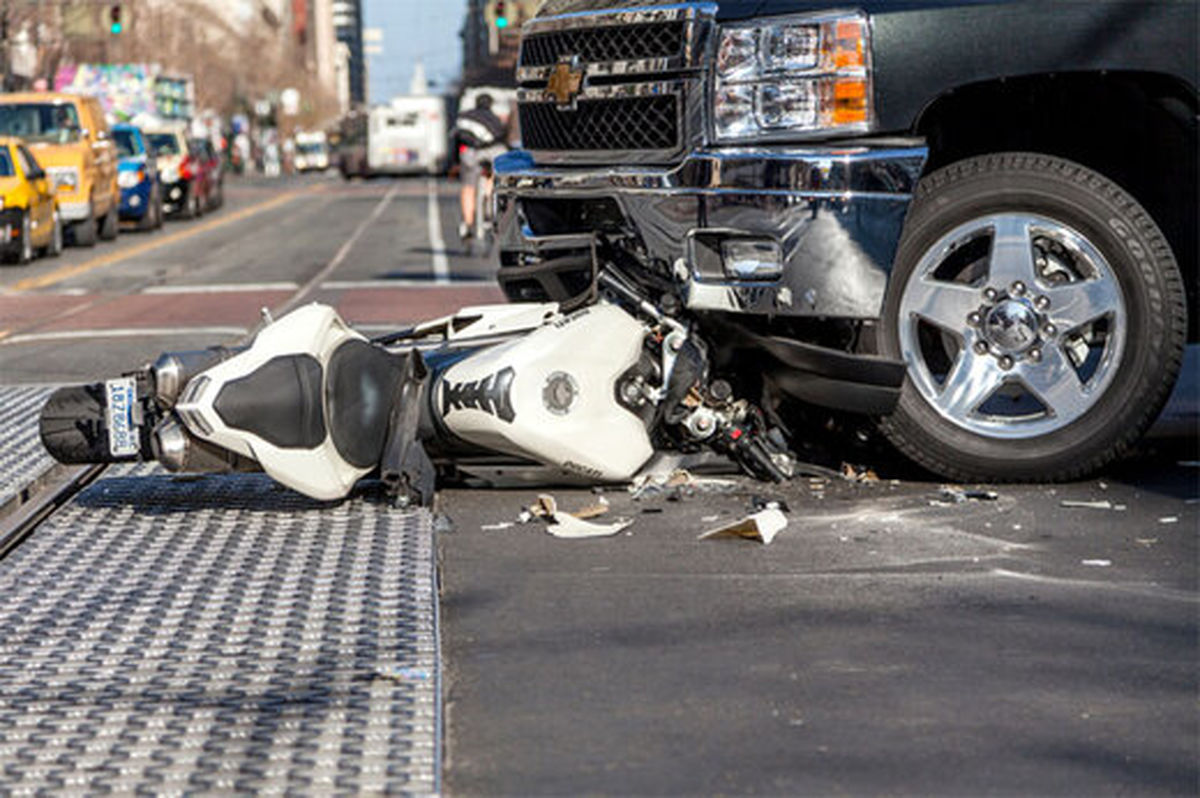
<point x="23" y="459"/>
<point x="166" y="635"/>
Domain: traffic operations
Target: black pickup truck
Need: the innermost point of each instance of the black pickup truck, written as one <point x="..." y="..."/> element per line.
<point x="974" y="220"/>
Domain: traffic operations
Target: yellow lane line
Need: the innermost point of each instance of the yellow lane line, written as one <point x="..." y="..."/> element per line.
<point x="67" y="272"/>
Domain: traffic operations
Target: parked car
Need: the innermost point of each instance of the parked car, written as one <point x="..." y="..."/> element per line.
<point x="182" y="189"/>
<point x="206" y="163"/>
<point x="72" y="142"/>
<point x="975" y="221"/>
<point x="29" y="220"/>
<point x="137" y="175"/>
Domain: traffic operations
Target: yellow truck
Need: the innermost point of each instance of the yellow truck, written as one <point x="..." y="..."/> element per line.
<point x="72" y="142"/>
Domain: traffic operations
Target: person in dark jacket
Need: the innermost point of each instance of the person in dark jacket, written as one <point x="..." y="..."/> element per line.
<point x="481" y="138"/>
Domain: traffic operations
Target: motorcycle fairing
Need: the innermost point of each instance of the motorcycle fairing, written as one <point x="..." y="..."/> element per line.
<point x="277" y="404"/>
<point x="550" y="396"/>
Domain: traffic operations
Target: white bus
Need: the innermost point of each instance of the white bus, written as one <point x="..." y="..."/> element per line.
<point x="408" y="136"/>
<point x="312" y="151"/>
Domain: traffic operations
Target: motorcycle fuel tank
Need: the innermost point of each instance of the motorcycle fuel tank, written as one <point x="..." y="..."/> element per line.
<point x="550" y="396"/>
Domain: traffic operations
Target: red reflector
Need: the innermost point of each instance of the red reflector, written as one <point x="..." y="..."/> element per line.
<point x="737" y="433"/>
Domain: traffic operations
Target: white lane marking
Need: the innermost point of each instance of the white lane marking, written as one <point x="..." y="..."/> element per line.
<point x="220" y="288"/>
<point x="318" y="278"/>
<point x="351" y="285"/>
<point x="72" y="335"/>
<point x="441" y="266"/>
<point x="58" y="292"/>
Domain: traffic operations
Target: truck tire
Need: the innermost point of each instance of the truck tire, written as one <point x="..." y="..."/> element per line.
<point x="110" y="225"/>
<point x="1041" y="315"/>
<point x="83" y="232"/>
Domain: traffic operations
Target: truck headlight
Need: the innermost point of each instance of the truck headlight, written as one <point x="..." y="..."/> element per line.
<point x="64" y="177"/>
<point x="129" y="179"/>
<point x="793" y="76"/>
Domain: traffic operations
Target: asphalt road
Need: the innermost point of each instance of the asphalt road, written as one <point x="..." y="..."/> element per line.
<point x="887" y="642"/>
<point x="372" y="249"/>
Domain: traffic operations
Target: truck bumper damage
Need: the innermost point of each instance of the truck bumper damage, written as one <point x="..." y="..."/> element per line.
<point x="753" y="235"/>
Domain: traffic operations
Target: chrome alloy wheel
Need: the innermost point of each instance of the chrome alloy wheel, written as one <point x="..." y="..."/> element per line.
<point x="1012" y="326"/>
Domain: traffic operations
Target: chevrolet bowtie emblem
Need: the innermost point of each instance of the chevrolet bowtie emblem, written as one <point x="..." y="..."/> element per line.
<point x="565" y="82"/>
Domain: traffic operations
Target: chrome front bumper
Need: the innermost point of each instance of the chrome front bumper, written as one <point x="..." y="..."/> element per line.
<point x="74" y="211"/>
<point x="835" y="213"/>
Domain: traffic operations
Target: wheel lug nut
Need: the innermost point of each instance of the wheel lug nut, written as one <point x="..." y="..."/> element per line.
<point x="1017" y="288"/>
<point x="974" y="319"/>
<point x="1006" y="362"/>
<point x="1049" y="329"/>
<point x="981" y="348"/>
<point x="991" y="294"/>
<point x="1042" y="303"/>
<point x="1035" y="355"/>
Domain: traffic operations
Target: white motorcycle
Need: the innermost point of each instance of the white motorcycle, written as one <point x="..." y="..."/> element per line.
<point x="500" y="393"/>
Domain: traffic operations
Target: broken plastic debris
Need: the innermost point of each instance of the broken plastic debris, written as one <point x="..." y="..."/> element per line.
<point x="677" y="483"/>
<point x="1097" y="563"/>
<point x="1169" y="519"/>
<point x="1104" y="504"/>
<point x="859" y="473"/>
<point x="763" y="525"/>
<point x="501" y="525"/>
<point x="565" y="525"/>
<point x="568" y="525"/>
<point x="959" y="495"/>
<point x="766" y="503"/>
<point x="600" y="507"/>
<point x="1147" y="542"/>
<point x="544" y="507"/>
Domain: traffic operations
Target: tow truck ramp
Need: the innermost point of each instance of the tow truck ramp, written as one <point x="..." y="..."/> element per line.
<point x="168" y="634"/>
<point x="23" y="460"/>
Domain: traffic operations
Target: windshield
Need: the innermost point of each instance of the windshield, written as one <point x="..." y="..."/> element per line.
<point x="164" y="143"/>
<point x="53" y="122"/>
<point x="311" y="148"/>
<point x="6" y="164"/>
<point x="126" y="143"/>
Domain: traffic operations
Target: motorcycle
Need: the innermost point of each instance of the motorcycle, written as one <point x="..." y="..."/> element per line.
<point x="579" y="393"/>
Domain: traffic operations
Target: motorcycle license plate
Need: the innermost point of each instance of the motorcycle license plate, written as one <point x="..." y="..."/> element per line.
<point x="122" y="429"/>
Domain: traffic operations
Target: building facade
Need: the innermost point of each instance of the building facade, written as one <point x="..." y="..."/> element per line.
<point x="348" y="25"/>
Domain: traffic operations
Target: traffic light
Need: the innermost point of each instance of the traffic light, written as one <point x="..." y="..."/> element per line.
<point x="501" y="15"/>
<point x="114" y="19"/>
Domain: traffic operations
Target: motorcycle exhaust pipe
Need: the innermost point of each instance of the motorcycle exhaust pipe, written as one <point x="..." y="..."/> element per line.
<point x="180" y="451"/>
<point x="173" y="370"/>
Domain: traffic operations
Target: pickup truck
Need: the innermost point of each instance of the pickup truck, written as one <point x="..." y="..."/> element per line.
<point x="976" y="221"/>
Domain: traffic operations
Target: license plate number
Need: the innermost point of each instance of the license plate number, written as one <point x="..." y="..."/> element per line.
<point x="122" y="430"/>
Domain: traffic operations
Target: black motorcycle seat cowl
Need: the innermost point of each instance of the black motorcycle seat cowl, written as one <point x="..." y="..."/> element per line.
<point x="279" y="402"/>
<point x="359" y="390"/>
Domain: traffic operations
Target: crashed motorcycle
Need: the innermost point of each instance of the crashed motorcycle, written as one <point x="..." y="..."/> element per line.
<point x="529" y="392"/>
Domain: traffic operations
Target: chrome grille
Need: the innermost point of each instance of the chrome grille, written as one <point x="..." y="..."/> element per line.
<point x="606" y="44"/>
<point x="621" y="85"/>
<point x="639" y="123"/>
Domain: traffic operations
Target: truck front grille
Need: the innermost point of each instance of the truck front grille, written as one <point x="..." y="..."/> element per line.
<point x="604" y="44"/>
<point x="639" y="123"/>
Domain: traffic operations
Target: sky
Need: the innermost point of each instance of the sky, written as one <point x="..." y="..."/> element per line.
<point x="413" y="29"/>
